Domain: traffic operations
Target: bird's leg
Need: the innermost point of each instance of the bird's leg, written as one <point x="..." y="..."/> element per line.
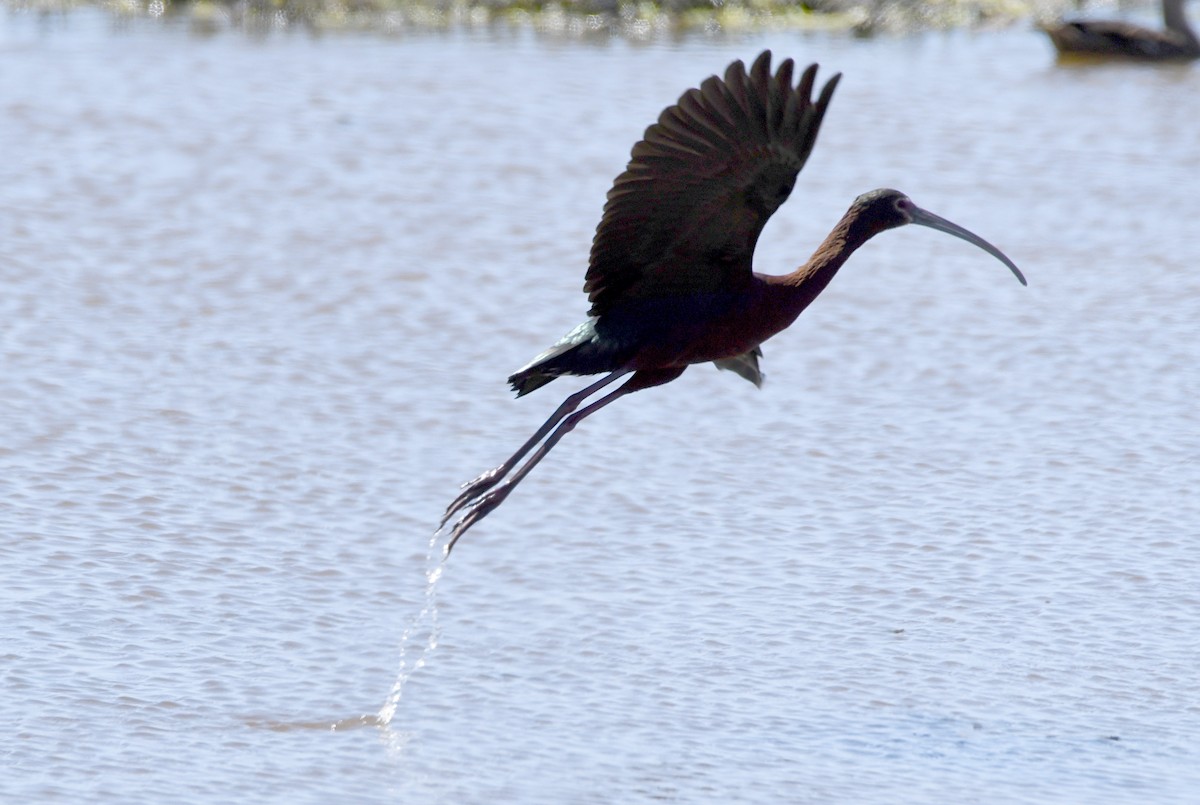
<point x="475" y="488"/>
<point x="483" y="505"/>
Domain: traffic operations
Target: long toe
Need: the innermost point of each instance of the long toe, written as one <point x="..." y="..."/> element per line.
<point x="471" y="490"/>
<point x="479" y="509"/>
<point x="492" y="475"/>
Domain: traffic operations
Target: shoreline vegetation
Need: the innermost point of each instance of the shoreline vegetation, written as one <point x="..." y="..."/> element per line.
<point x="632" y="19"/>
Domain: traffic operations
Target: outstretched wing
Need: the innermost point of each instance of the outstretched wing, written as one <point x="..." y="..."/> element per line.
<point x="686" y="214"/>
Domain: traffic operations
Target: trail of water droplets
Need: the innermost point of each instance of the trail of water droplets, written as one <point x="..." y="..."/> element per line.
<point x="416" y="644"/>
<point x="420" y="639"/>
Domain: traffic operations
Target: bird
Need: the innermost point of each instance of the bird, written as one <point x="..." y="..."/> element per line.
<point x="670" y="277"/>
<point x="1114" y="38"/>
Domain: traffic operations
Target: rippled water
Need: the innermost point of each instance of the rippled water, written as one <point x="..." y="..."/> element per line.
<point x="259" y="300"/>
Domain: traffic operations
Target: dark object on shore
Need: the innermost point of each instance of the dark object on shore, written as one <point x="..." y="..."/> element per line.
<point x="1112" y="38"/>
<point x="670" y="277"/>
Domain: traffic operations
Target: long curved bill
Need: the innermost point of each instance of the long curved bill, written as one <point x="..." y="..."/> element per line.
<point x="926" y="218"/>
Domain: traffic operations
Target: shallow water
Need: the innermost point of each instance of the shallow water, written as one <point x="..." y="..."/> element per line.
<point x="260" y="297"/>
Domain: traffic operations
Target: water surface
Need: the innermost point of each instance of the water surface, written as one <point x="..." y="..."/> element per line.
<point x="259" y="300"/>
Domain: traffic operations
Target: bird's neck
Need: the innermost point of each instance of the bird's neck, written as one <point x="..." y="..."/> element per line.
<point x="1175" y="20"/>
<point x="811" y="278"/>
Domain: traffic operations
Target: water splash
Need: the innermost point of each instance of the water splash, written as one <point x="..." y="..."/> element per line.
<point x="420" y="639"/>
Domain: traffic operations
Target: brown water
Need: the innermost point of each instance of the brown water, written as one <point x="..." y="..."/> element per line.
<point x="259" y="300"/>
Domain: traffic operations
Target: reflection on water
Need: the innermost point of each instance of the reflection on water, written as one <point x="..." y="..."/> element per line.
<point x="259" y="301"/>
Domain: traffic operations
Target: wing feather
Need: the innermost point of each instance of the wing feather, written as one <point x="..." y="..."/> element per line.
<point x="702" y="182"/>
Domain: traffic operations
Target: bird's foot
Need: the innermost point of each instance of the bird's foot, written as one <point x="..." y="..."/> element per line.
<point x="479" y="509"/>
<point x="470" y="491"/>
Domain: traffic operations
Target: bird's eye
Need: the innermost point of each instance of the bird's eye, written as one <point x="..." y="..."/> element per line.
<point x="904" y="205"/>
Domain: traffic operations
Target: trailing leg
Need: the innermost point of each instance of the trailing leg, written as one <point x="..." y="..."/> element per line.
<point x="475" y="488"/>
<point x="483" y="504"/>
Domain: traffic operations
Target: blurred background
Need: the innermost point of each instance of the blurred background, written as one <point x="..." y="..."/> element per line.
<point x="265" y="268"/>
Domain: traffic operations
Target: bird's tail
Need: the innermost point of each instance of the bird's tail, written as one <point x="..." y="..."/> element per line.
<point x="579" y="352"/>
<point x="528" y="379"/>
<point x="560" y="359"/>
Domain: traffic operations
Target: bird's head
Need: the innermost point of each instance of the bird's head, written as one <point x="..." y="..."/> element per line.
<point x="887" y="209"/>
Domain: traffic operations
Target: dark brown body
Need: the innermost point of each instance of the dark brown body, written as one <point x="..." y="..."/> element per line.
<point x="656" y="332"/>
